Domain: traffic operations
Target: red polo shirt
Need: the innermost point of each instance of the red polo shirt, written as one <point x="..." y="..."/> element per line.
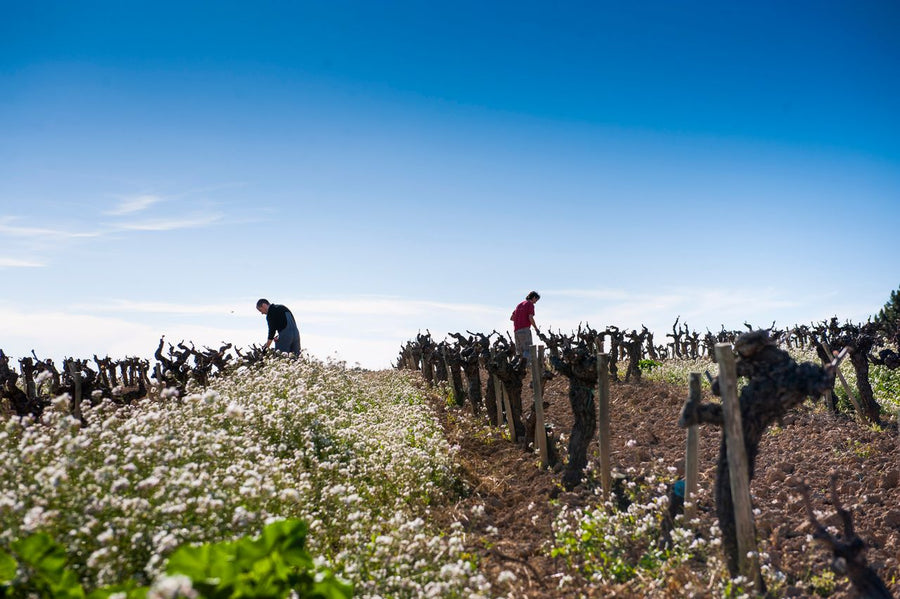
<point x="521" y="314"/>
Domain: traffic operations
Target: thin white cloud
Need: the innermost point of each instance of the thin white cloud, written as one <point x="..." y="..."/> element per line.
<point x="371" y="329"/>
<point x="129" y="306"/>
<point x="171" y="224"/>
<point x="15" y="263"/>
<point x="698" y="307"/>
<point x="58" y="333"/>
<point x="598" y="294"/>
<point x="385" y="306"/>
<point x="7" y="227"/>
<point x="133" y="204"/>
<point x="318" y="310"/>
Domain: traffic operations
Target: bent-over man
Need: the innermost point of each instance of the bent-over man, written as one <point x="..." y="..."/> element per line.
<point x="282" y="327"/>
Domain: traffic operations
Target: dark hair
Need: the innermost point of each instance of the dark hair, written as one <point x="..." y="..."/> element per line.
<point x="533" y="295"/>
<point x="261" y="301"/>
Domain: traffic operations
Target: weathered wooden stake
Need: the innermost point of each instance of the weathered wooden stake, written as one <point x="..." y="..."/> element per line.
<point x="748" y="554"/>
<point x="690" y="459"/>
<point x="847" y="389"/>
<point x="509" y="418"/>
<point x="603" y="422"/>
<point x="540" y="433"/>
<point x="498" y="399"/>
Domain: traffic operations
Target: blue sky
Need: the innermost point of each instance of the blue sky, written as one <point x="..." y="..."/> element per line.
<point x="388" y="167"/>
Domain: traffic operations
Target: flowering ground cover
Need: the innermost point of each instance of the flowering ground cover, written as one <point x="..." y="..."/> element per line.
<point x="407" y="495"/>
<point x="359" y="456"/>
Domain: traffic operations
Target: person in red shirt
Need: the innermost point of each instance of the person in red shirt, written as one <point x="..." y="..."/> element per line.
<point x="523" y="319"/>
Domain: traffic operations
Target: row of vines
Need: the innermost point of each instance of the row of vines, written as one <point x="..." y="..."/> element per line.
<point x="774" y="383"/>
<point x="37" y="382"/>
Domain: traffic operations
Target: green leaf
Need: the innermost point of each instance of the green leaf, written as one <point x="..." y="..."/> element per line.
<point x="8" y="568"/>
<point x="42" y="554"/>
<point x="331" y="588"/>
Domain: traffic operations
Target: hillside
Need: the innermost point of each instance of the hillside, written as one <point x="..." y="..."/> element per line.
<point x="409" y="495"/>
<point x="517" y="497"/>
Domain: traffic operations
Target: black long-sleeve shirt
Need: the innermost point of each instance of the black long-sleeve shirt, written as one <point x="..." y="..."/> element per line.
<point x="276" y="317"/>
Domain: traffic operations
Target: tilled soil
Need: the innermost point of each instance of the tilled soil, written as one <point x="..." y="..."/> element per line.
<point x="513" y="531"/>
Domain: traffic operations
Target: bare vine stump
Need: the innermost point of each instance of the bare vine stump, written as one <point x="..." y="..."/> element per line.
<point x="776" y="384"/>
<point x="76" y="395"/>
<point x="510" y="369"/>
<point x="440" y="366"/>
<point x="576" y="361"/>
<point x="470" y="359"/>
<point x="849" y="552"/>
<point x="427" y="346"/>
<point x="633" y="348"/>
<point x="454" y="365"/>
<point x="10" y="390"/>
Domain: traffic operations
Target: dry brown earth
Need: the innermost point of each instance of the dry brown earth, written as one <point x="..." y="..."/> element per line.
<point x="809" y="445"/>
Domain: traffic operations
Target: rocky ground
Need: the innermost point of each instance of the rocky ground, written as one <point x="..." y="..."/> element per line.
<point x="513" y="531"/>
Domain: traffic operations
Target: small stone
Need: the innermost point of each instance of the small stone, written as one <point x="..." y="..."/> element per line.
<point x="892" y="519"/>
<point x="890" y="479"/>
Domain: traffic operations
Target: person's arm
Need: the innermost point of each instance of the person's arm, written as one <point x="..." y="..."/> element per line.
<point x="273" y="332"/>
<point x="531" y="318"/>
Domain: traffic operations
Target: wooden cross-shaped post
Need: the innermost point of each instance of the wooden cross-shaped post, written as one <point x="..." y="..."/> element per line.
<point x="847" y="389"/>
<point x="738" y="466"/>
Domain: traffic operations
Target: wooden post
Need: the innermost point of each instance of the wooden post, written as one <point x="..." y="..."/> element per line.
<point x="829" y="400"/>
<point x="540" y="433"/>
<point x="847" y="389"/>
<point x="449" y="376"/>
<point x="690" y="458"/>
<point x="498" y="399"/>
<point x="76" y="378"/>
<point x="603" y="421"/>
<point x="748" y="554"/>
<point x="509" y="417"/>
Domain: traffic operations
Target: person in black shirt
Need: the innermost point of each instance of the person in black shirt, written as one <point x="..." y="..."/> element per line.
<point x="282" y="327"/>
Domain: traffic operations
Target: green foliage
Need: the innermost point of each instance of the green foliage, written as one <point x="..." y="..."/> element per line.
<point x="274" y="565"/>
<point x="647" y="365"/>
<point x="889" y="316"/>
<point x="614" y="545"/>
<point x="823" y="584"/>
<point x="44" y="563"/>
<point x="885" y="385"/>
